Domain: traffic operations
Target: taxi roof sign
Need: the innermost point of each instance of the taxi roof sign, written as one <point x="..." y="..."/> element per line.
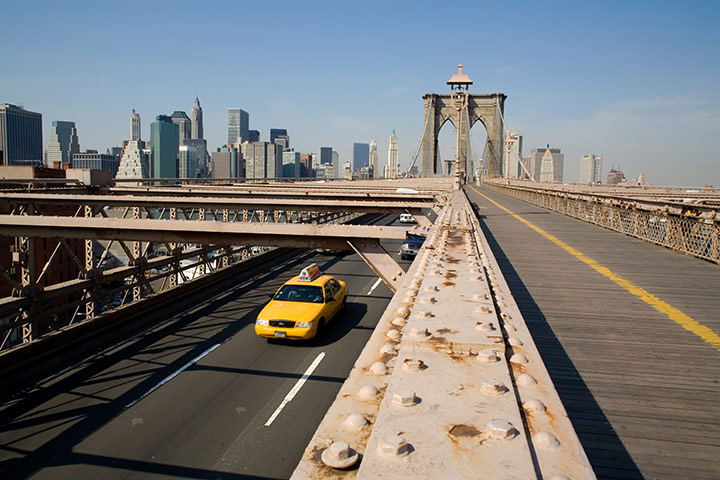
<point x="310" y="273"/>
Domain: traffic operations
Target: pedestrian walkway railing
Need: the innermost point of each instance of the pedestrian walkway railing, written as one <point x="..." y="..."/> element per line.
<point x="688" y="225"/>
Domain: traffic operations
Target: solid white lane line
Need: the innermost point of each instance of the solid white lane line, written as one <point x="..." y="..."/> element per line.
<point x="170" y="377"/>
<point x="296" y="388"/>
<point x="377" y="282"/>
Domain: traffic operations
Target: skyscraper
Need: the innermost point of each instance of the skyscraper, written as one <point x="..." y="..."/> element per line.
<point x="326" y="155"/>
<point x="591" y="169"/>
<point x="262" y="159"/>
<point x="392" y="169"/>
<point x="374" y="172"/>
<point x="183" y="123"/>
<point x="196" y="120"/>
<point x="63" y="145"/>
<point x="253" y="136"/>
<point x="361" y="155"/>
<point x="238" y="125"/>
<point x="276" y="133"/>
<point x="535" y="163"/>
<point x="20" y="136"/>
<point x="551" y="165"/>
<point x="165" y="146"/>
<point x="134" y="126"/>
<point x="134" y="162"/>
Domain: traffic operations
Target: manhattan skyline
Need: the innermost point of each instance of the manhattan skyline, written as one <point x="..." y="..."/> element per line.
<point x="633" y="82"/>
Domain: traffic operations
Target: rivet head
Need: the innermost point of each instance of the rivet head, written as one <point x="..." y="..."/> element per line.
<point x="519" y="359"/>
<point x="515" y="342"/>
<point x="546" y="440"/>
<point x="526" y="380"/>
<point x="559" y="477"/>
<point x="534" y="406"/>
<point x="422" y="314"/>
<point x="404" y="398"/>
<point x="412" y="365"/>
<point x="481" y="310"/>
<point x="485" y="326"/>
<point x="393" y="334"/>
<point x="356" y="422"/>
<point x="487" y="356"/>
<point x="388" y="349"/>
<point x="402" y="311"/>
<point x="398" y="321"/>
<point x="368" y="392"/>
<point x="510" y="328"/>
<point x="393" y="446"/>
<point x="339" y="455"/>
<point x="428" y="300"/>
<point x="431" y="288"/>
<point x="501" y="429"/>
<point x="408" y="300"/>
<point x="378" y="368"/>
<point x="493" y="386"/>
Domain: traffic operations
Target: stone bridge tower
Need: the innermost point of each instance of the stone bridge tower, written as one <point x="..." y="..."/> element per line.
<point x="487" y="108"/>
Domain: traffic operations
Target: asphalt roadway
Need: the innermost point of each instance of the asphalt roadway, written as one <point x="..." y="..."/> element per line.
<point x="198" y="396"/>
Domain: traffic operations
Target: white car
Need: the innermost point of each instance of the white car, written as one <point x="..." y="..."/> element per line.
<point x="406" y="218"/>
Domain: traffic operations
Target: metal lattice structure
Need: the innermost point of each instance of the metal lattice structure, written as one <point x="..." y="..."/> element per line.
<point x="687" y="222"/>
<point x="167" y="236"/>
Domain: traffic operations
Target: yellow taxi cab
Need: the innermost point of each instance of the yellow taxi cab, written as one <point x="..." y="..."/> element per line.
<point x="302" y="306"/>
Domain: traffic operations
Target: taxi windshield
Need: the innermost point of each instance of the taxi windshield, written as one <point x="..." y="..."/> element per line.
<point x="300" y="293"/>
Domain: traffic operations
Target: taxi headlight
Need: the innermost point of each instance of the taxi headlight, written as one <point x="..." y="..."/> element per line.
<point x="304" y="324"/>
<point x="260" y="321"/>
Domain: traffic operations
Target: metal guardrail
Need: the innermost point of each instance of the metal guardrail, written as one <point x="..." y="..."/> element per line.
<point x="450" y="384"/>
<point x="688" y="228"/>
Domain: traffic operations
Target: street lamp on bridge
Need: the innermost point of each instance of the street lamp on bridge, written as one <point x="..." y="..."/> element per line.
<point x="459" y="84"/>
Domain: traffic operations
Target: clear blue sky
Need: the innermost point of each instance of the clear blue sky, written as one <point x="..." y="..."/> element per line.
<point x="637" y="81"/>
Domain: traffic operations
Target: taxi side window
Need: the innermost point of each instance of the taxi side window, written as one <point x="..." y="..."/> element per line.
<point x="328" y="292"/>
<point x="334" y="286"/>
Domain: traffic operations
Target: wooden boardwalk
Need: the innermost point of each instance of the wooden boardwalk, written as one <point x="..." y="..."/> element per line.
<point x="642" y="391"/>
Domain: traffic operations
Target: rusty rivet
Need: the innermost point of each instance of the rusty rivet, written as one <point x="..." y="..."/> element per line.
<point x="404" y="398"/>
<point x="413" y="365"/>
<point x="402" y="311"/>
<point x="526" y="380"/>
<point x="394" y="446"/>
<point x="485" y="326"/>
<point x="487" y="356"/>
<point x="534" y="406"/>
<point x="393" y="334"/>
<point x="356" y="422"/>
<point x="388" y="349"/>
<point x="475" y="278"/>
<point x="506" y="316"/>
<point x="339" y="455"/>
<point x="519" y="359"/>
<point x="408" y="300"/>
<point x="493" y="386"/>
<point x="510" y="328"/>
<point x="501" y="429"/>
<point x="481" y="310"/>
<point x="546" y="440"/>
<point x="398" y="321"/>
<point x="515" y="342"/>
<point x="378" y="368"/>
<point x="431" y="288"/>
<point x="428" y="300"/>
<point x="422" y="314"/>
<point x="368" y="392"/>
<point x="477" y="297"/>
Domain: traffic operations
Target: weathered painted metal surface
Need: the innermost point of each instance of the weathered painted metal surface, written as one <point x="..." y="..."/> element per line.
<point x="438" y="390"/>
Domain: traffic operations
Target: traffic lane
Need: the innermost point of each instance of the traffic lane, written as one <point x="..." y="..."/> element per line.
<point x="167" y="422"/>
<point x="41" y="427"/>
<point x="220" y="428"/>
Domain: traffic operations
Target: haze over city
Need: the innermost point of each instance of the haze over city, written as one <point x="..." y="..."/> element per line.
<point x="635" y="82"/>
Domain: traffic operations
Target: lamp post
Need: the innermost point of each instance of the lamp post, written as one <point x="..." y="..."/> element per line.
<point x="459" y="94"/>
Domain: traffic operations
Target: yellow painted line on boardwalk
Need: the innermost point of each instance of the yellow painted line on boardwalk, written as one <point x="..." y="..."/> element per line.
<point x="685" y="321"/>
